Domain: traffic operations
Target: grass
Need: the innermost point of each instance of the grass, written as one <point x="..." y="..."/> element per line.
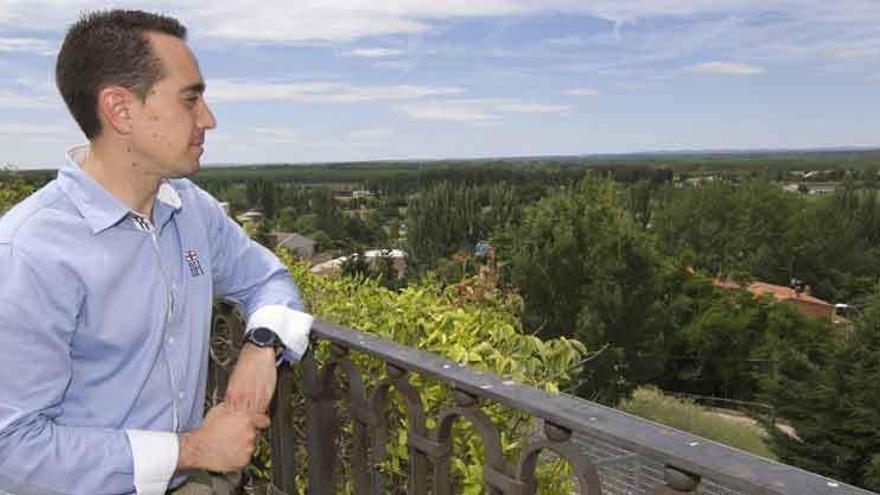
<point x="683" y="414"/>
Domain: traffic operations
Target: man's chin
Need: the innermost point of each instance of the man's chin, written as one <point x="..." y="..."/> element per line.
<point x="190" y="169"/>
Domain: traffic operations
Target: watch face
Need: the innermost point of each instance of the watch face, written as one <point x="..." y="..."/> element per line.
<point x="262" y="337"/>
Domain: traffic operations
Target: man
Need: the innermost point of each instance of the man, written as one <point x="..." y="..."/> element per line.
<point x="108" y="278"/>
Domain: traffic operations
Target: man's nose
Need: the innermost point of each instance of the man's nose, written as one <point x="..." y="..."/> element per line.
<point x="206" y="117"/>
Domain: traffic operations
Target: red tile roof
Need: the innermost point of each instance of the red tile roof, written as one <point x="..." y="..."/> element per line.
<point x="806" y="304"/>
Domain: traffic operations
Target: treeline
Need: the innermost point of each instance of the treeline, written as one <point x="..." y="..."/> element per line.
<point x="13" y="188"/>
<point x="757" y="163"/>
<point x="410" y="173"/>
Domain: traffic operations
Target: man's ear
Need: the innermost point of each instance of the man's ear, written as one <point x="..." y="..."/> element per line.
<point x="115" y="108"/>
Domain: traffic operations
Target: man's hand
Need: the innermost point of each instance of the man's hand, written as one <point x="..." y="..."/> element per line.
<point x="252" y="383"/>
<point x="224" y="442"/>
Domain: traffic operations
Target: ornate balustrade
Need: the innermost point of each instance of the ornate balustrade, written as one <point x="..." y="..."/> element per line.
<point x="610" y="452"/>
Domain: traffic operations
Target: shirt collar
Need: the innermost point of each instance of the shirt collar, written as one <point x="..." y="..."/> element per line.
<point x="98" y="206"/>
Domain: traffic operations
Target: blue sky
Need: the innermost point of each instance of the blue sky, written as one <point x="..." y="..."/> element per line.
<point x="305" y="81"/>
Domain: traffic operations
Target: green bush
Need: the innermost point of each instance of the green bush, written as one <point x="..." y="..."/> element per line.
<point x="683" y="414"/>
<point x="12" y="190"/>
<point x="471" y="323"/>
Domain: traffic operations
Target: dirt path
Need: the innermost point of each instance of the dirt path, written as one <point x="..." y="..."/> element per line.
<point x="741" y="419"/>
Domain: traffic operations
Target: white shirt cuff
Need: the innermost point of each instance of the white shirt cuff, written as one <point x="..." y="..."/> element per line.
<point x="155" y="460"/>
<point x="291" y="326"/>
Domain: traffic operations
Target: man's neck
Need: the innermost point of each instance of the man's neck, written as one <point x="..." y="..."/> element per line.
<point x="123" y="178"/>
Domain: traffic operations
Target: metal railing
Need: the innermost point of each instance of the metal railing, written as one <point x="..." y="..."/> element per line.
<point x="610" y="452"/>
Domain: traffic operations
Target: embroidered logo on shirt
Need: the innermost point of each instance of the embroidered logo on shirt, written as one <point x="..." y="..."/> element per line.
<point x="192" y="259"/>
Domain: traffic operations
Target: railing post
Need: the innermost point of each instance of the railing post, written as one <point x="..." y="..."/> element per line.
<point x="321" y="419"/>
<point x="678" y="482"/>
<point x="418" y="460"/>
<point x="284" y="467"/>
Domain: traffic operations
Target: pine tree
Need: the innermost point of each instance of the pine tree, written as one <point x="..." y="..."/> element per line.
<point x="831" y="396"/>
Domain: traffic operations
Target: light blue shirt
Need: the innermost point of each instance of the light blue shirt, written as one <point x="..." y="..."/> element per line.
<point x="104" y="330"/>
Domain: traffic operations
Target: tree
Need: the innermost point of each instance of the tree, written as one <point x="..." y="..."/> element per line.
<point x="831" y="396"/>
<point x="441" y="220"/>
<point x="328" y="217"/>
<point x="724" y="227"/>
<point x="732" y="344"/>
<point x="586" y="269"/>
<point x="505" y="207"/>
<point x="12" y="190"/>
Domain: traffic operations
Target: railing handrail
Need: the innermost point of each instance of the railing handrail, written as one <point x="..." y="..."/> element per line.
<point x="720" y="463"/>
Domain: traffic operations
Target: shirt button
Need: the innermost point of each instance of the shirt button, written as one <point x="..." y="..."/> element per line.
<point x="181" y="395"/>
<point x="170" y="340"/>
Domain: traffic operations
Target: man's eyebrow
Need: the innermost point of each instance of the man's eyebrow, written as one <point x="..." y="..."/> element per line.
<point x="198" y="87"/>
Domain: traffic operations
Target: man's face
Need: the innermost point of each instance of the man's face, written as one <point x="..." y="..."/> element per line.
<point x="168" y="131"/>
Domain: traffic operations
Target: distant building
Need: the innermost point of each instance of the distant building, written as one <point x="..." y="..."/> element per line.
<point x="820" y="189"/>
<point x="398" y="261"/>
<point x="300" y="245"/>
<point x="811" y="188"/>
<point x="361" y="193"/>
<point x="802" y="300"/>
<point x="699" y="181"/>
<point x="250" y="216"/>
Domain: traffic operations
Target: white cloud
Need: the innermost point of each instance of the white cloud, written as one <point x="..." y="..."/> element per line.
<point x="518" y="107"/>
<point x="370" y="134"/>
<point x="374" y="52"/>
<point x="582" y="92"/>
<point x="285" y="21"/>
<point x="864" y="49"/>
<point x="631" y="10"/>
<point x="569" y="41"/>
<point x="27" y="45"/>
<point x="16" y="129"/>
<point x="11" y="99"/>
<point x="278" y="132"/>
<point x="320" y="92"/>
<point x="394" y="65"/>
<point x="727" y="68"/>
<point x="481" y="111"/>
<point x="631" y="85"/>
<point x="444" y="111"/>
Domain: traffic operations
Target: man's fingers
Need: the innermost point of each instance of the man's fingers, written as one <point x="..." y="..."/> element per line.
<point x="247" y="404"/>
<point x="260" y="421"/>
<point x="261" y="404"/>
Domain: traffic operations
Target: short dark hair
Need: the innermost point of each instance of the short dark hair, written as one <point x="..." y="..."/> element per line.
<point x="109" y="47"/>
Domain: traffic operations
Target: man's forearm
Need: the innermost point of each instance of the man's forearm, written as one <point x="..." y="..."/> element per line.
<point x="190" y="452"/>
<point x="252" y="383"/>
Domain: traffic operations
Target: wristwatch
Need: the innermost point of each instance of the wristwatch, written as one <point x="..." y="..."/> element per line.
<point x="263" y="337"/>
